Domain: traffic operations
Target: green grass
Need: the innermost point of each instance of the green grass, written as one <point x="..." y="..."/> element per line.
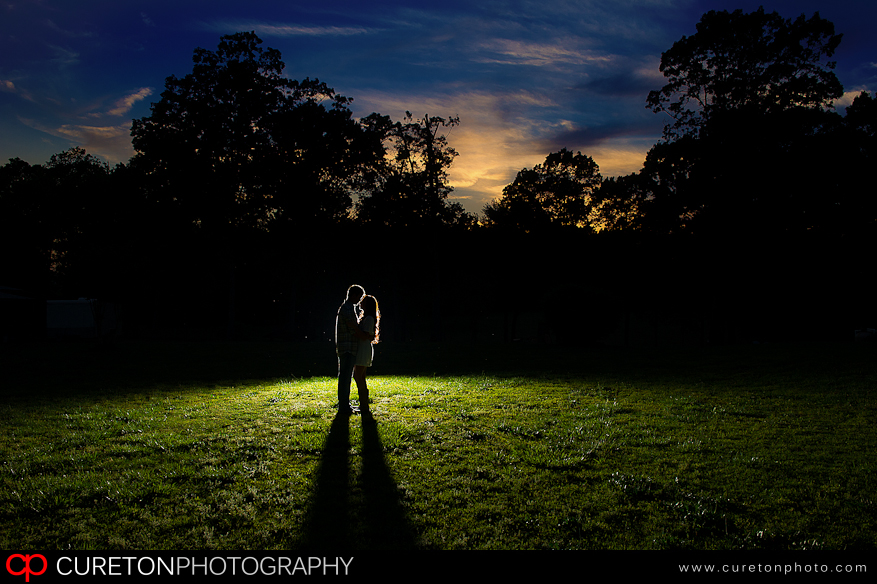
<point x="235" y="446"/>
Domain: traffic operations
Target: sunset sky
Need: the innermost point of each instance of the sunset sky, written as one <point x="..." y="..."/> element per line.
<point x="525" y="78"/>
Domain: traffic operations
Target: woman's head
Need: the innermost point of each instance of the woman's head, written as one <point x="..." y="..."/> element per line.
<point x="369" y="305"/>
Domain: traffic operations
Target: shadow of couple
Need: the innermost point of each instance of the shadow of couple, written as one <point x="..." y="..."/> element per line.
<point x="355" y="504"/>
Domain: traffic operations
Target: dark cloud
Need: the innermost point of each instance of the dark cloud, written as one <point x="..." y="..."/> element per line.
<point x="583" y="138"/>
<point x="629" y="84"/>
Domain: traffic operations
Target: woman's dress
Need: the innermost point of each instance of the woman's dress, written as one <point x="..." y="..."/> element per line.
<point x="365" y="350"/>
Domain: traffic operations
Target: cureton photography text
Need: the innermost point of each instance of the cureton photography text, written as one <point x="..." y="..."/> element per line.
<point x="28" y="565"/>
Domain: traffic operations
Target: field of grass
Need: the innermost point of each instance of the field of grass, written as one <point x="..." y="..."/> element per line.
<point x="236" y="446"/>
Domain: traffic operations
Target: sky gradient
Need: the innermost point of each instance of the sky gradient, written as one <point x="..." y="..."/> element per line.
<point x="525" y="78"/>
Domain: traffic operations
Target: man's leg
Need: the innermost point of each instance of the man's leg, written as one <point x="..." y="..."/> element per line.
<point x="345" y="372"/>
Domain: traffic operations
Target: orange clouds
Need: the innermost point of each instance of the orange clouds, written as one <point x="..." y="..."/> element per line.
<point x="497" y="137"/>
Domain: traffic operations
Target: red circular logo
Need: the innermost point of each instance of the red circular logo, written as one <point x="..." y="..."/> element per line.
<point x="27" y="571"/>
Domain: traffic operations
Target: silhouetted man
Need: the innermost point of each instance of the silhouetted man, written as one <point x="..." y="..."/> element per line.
<point x="347" y="332"/>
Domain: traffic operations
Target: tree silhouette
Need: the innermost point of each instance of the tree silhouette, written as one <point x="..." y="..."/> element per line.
<point x="620" y="204"/>
<point x="26" y="235"/>
<point x="57" y="216"/>
<point x="558" y="193"/>
<point x="205" y="138"/>
<point x="235" y="143"/>
<point x="670" y="188"/>
<point x="862" y="117"/>
<point x="853" y="155"/>
<point x="412" y="191"/>
<point x="758" y="62"/>
<point x="324" y="157"/>
<point x="751" y="98"/>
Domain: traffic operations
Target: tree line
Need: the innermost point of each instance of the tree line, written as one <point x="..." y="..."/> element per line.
<point x="247" y="187"/>
<point x="753" y="145"/>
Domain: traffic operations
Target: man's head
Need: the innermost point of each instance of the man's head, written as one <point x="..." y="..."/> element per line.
<point x="355" y="294"/>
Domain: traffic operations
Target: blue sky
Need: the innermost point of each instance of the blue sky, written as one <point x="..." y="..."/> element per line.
<point x="525" y="78"/>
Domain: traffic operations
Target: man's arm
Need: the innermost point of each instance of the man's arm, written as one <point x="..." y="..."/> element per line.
<point x="357" y="332"/>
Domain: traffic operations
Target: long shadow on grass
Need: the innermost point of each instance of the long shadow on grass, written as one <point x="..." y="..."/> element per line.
<point x="355" y="512"/>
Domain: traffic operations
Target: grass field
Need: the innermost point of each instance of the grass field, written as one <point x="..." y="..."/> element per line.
<point x="236" y="446"/>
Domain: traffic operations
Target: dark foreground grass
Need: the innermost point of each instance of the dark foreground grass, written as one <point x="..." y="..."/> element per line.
<point x="235" y="446"/>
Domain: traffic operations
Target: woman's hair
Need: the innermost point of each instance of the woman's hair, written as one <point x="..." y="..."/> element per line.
<point x="369" y="306"/>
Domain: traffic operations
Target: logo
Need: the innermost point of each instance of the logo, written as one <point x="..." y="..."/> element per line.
<point x="27" y="571"/>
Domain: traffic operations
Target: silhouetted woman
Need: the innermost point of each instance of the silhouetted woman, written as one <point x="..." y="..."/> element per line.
<point x="369" y="323"/>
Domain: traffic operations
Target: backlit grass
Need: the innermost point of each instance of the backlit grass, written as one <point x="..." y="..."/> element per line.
<point x="522" y="448"/>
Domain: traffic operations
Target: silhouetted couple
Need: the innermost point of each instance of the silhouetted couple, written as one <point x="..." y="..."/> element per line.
<point x="357" y="330"/>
